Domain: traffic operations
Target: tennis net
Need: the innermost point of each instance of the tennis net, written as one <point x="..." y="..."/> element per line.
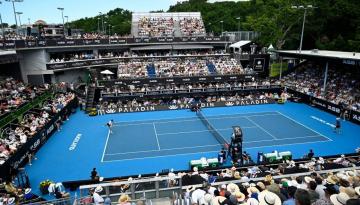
<point x="212" y="130"/>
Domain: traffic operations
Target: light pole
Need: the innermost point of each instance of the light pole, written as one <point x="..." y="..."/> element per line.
<point x="13" y="3"/>
<point x="102" y="22"/>
<point x="67" y="23"/>
<point x="29" y="21"/>
<point x="62" y="16"/>
<point x="2" y="26"/>
<point x="98" y="25"/>
<point x="109" y="29"/>
<point x="18" y="13"/>
<point x="222" y="27"/>
<point x="238" y="18"/>
<point x="104" y="31"/>
<point x="304" y="19"/>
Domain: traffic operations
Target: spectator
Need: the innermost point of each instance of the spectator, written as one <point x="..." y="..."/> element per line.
<point x="290" y="194"/>
<point x="302" y="197"/>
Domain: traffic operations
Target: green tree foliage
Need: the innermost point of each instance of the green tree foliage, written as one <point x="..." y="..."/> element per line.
<point x="333" y="25"/>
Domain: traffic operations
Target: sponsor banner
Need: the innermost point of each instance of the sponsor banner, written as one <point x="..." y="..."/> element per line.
<point x="163" y="93"/>
<point x="191" y="79"/>
<point x="326" y="106"/>
<point x="72" y="42"/>
<point x="355" y="117"/>
<point x="244" y="102"/>
<point x="34" y="143"/>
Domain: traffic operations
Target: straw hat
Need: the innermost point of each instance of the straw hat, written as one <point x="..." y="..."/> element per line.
<point x="252" y="190"/>
<point x="339" y="199"/>
<point x="190" y="189"/>
<point x="237" y="175"/>
<point x="357" y="190"/>
<point x="331" y="179"/>
<point x="124" y="198"/>
<point x="27" y="191"/>
<point x="267" y="198"/>
<point x="348" y="190"/>
<point x="11" y="201"/>
<point x="217" y="200"/>
<point x="261" y="185"/>
<point x="208" y="198"/>
<point x="240" y="197"/>
<point x="268" y="178"/>
<point x="232" y="188"/>
<point x="308" y="179"/>
<point x="98" y="189"/>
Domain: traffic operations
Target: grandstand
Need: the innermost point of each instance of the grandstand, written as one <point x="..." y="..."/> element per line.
<point x="150" y="118"/>
<point x="182" y="24"/>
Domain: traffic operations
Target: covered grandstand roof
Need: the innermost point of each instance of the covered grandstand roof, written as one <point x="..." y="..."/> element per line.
<point x="320" y="54"/>
<point x="239" y="44"/>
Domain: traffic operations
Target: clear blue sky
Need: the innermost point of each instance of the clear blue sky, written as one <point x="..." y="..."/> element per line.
<point x="75" y="9"/>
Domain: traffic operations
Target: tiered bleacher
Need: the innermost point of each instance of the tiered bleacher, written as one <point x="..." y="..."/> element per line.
<point x="342" y="86"/>
<point x="180" y="67"/>
<point x="308" y="181"/>
<point x="14" y="94"/>
<point x="180" y="24"/>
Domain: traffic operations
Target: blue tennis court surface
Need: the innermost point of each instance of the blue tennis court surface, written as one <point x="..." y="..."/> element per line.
<point x="161" y="138"/>
<point x="149" y="142"/>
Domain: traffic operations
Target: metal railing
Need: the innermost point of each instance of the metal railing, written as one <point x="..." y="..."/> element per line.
<point x="159" y="187"/>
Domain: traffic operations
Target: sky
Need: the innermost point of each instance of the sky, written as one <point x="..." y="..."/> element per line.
<point x="47" y="9"/>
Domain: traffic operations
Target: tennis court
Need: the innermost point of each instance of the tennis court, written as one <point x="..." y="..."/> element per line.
<point x="181" y="136"/>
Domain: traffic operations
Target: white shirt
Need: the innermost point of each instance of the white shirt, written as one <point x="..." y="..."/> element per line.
<point x="97" y="198"/>
<point x="197" y="195"/>
<point x="320" y="190"/>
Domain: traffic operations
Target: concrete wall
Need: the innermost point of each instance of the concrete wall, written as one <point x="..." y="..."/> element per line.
<point x="70" y="76"/>
<point x="33" y="62"/>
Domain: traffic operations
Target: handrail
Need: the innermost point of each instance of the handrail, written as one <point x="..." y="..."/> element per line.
<point x="181" y="188"/>
<point x="12" y="116"/>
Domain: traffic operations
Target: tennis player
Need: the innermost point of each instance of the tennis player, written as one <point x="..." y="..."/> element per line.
<point x="109" y="125"/>
<point x="337" y="126"/>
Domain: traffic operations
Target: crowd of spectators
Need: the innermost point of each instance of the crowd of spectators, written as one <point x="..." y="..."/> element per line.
<point x="84" y="55"/>
<point x="103" y="105"/>
<point x="342" y="86"/>
<point x="310" y="181"/>
<point x="187" y="86"/>
<point x="155" y="27"/>
<point x="94" y="35"/>
<point x="192" y="27"/>
<point x="14" y="93"/>
<point x="317" y="189"/>
<point x="17" y="133"/>
<point x="181" y="67"/>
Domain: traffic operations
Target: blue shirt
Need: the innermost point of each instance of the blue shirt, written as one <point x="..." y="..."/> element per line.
<point x="290" y="201"/>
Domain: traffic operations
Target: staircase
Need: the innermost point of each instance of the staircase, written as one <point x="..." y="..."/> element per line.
<point x="151" y="70"/>
<point x="134" y="29"/>
<point x="211" y="68"/>
<point x="90" y="97"/>
<point x="177" y="32"/>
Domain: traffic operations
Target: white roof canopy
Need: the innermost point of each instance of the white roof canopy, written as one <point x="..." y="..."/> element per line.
<point x="239" y="44"/>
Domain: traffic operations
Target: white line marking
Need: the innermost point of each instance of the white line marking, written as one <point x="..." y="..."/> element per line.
<point x="303" y="125"/>
<point x="261" y="128"/>
<point x="277" y="145"/>
<point x="107" y="139"/>
<point x="196" y="131"/>
<point x="162" y="156"/>
<point x="156" y="135"/>
<point x="190" y="119"/>
<point x="322" y="121"/>
<point x="170" y="149"/>
<point x="288" y="138"/>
